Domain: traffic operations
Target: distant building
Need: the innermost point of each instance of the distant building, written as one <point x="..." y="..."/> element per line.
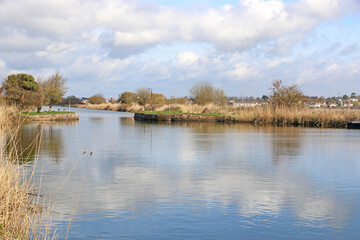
<point x="314" y="105"/>
<point x="85" y="100"/>
<point x="111" y="100"/>
<point x="190" y="101"/>
<point x="244" y="104"/>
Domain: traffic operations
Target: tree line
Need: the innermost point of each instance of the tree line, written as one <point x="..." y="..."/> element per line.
<point x="22" y="90"/>
<point x="203" y="93"/>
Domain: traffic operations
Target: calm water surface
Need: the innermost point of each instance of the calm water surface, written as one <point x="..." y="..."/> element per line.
<point x="199" y="180"/>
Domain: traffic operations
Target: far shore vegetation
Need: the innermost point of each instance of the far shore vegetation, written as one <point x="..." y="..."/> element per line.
<point x="284" y="106"/>
<point x="259" y="115"/>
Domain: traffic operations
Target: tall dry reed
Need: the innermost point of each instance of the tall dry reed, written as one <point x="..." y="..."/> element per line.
<point x="113" y="107"/>
<point x="22" y="211"/>
<point x="9" y="115"/>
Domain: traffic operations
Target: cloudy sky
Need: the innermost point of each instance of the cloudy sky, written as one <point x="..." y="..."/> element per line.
<point x="111" y="46"/>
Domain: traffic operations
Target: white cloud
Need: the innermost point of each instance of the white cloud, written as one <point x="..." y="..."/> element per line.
<point x="96" y="40"/>
<point x="187" y="58"/>
<point x="138" y="25"/>
<point x="332" y="67"/>
<point x="17" y="41"/>
<point x="241" y="71"/>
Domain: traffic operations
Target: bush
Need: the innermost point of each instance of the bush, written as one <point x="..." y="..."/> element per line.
<point x="128" y="97"/>
<point x="97" y="99"/>
<point x="23" y="91"/>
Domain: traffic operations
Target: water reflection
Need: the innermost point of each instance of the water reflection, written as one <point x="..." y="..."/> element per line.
<point x="23" y="143"/>
<point x="26" y="142"/>
<point x="286" y="144"/>
<point x="276" y="181"/>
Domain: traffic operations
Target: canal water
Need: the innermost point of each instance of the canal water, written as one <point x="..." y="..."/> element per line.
<point x="197" y="180"/>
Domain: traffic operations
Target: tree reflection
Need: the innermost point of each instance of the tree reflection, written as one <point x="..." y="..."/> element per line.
<point x="25" y="143"/>
<point x="22" y="144"/>
<point x="52" y="142"/>
<point x="286" y="144"/>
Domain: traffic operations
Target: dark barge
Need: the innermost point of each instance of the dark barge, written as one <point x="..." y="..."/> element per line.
<point x="353" y="125"/>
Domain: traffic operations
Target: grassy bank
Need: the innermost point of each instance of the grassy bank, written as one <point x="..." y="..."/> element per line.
<point x="45" y="113"/>
<point x="180" y="112"/>
<point x="262" y="115"/>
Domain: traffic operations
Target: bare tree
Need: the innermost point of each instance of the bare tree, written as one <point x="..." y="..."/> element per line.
<point x="286" y="95"/>
<point x="220" y="97"/>
<point x="54" y="89"/>
<point x="204" y="93"/>
<point x="143" y="96"/>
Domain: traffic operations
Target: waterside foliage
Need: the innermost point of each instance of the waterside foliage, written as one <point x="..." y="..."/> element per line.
<point x="260" y="115"/>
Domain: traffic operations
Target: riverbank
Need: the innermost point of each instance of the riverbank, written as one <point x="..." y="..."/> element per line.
<point x="119" y="107"/>
<point x="261" y="115"/>
<point x="50" y="116"/>
<point x="161" y="117"/>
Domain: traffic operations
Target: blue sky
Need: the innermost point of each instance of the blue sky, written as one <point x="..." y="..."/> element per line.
<point x="112" y="46"/>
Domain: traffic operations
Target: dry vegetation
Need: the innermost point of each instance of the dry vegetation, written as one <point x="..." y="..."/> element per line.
<point x="114" y="107"/>
<point x="22" y="211"/>
<point x="261" y="115"/>
<point x="8" y="115"/>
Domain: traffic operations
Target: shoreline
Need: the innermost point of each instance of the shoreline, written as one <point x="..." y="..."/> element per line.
<point x="58" y="117"/>
<point x="223" y="119"/>
<point x="259" y="116"/>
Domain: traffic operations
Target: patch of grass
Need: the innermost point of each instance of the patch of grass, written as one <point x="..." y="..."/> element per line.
<point x="46" y="113"/>
<point x="162" y="112"/>
<point x="180" y="112"/>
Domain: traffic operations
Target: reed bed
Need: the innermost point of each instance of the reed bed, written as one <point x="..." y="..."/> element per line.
<point x="113" y="107"/>
<point x="9" y="115"/>
<point x="22" y="211"/>
<point x="260" y="115"/>
<point x="280" y="116"/>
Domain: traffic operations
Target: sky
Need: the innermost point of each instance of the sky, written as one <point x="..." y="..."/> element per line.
<point x="112" y="46"/>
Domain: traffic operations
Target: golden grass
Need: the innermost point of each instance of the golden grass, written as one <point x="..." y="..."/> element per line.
<point x="113" y="107"/>
<point x="261" y="115"/>
<point x="9" y="115"/>
<point x="22" y="211"/>
<point x="280" y="116"/>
